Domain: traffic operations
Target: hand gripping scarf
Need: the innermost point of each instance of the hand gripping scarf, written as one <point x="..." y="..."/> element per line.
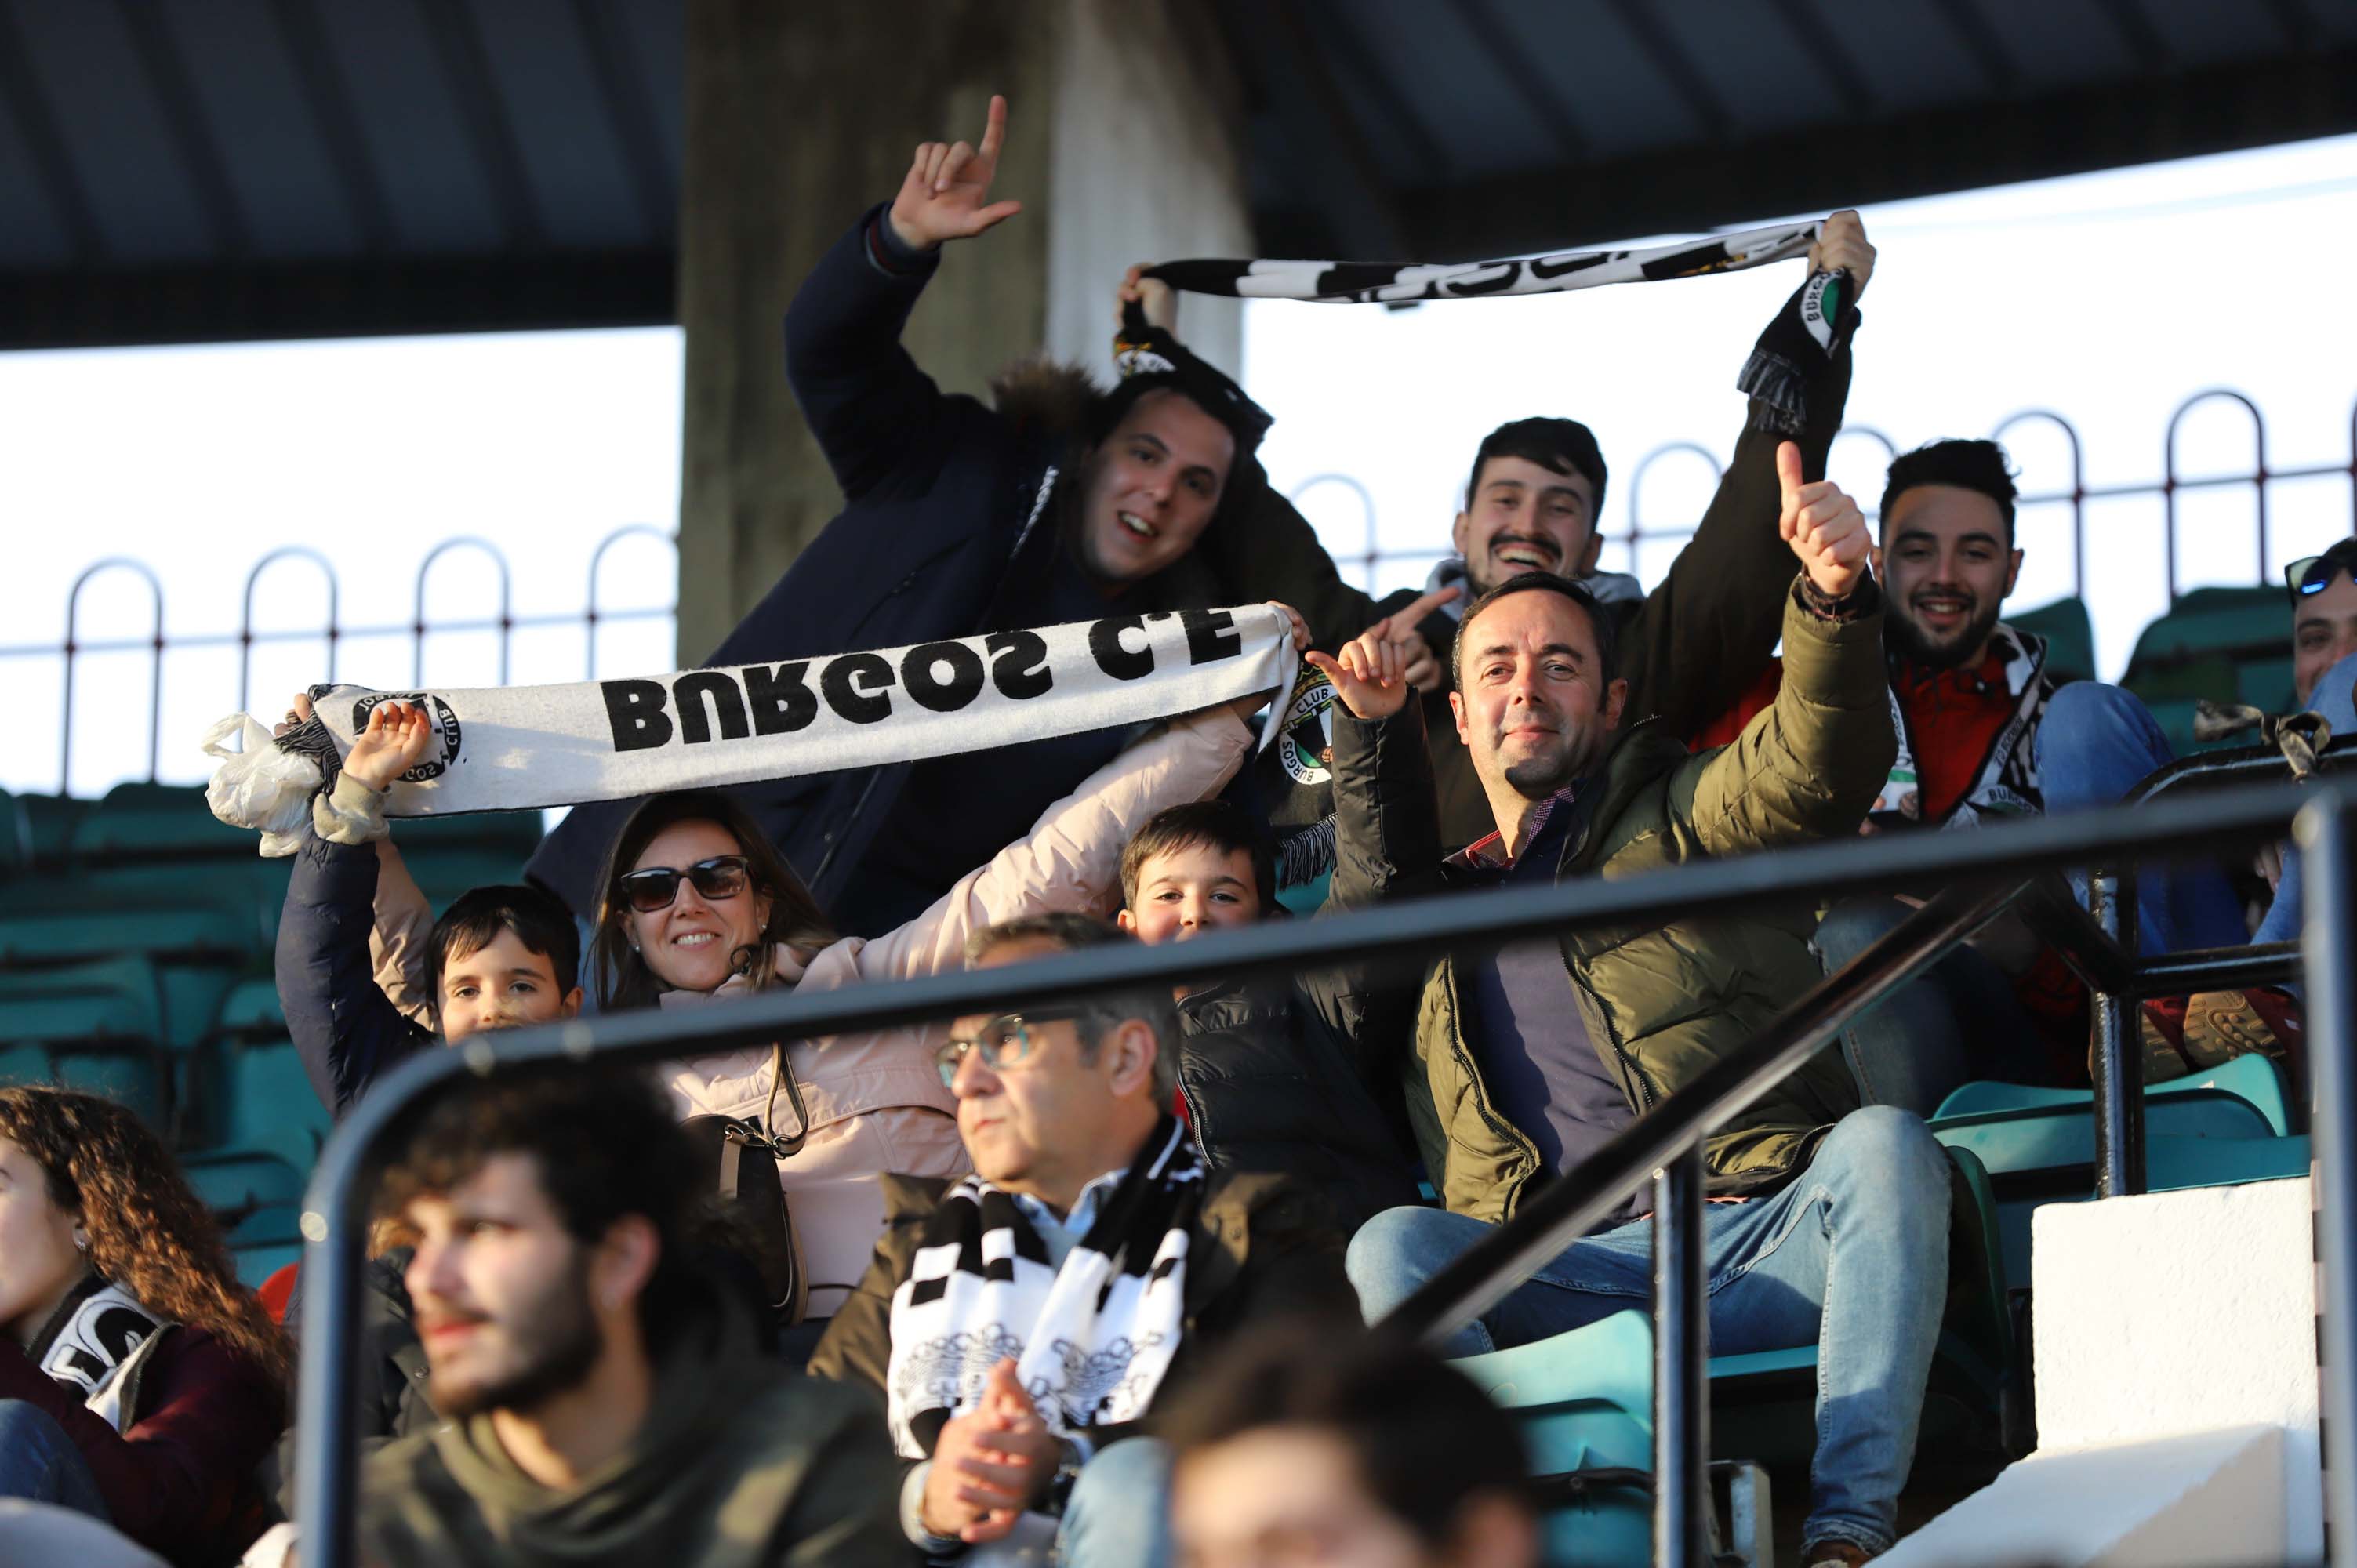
<point x="1091" y="1340"/>
<point x="506" y="748"/>
<point x="1801" y="338"/>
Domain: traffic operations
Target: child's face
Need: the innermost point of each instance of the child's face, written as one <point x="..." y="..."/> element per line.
<point x="1187" y="891"/>
<point x="502" y="984"/>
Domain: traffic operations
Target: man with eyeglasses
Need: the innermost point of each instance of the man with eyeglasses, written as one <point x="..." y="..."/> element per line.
<point x="2323" y="590"/>
<point x="1020" y="1323"/>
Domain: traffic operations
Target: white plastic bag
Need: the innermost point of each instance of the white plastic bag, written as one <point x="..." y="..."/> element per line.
<point x="261" y="787"/>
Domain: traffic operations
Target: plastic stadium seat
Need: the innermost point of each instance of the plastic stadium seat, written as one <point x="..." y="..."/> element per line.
<point x="2253" y="1078"/>
<point x="236" y="1184"/>
<point x="253" y="1098"/>
<point x="2069" y="637"/>
<point x="50" y="822"/>
<point x="2225" y="644"/>
<point x="278" y="1289"/>
<point x="142" y="821"/>
<point x="1583" y="1399"/>
<point x="92" y="1027"/>
<point x="252" y="1011"/>
<point x="265" y="1241"/>
<point x="15" y="837"/>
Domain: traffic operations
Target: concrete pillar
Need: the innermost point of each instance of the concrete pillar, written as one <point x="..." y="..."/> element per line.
<point x="1124" y="130"/>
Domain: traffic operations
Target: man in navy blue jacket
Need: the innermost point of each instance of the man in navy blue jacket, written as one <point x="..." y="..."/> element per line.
<point x="1064" y="503"/>
<point x="497" y="957"/>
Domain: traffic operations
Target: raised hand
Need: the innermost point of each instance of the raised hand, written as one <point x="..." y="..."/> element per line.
<point x="946" y="195"/>
<point x="1823" y="525"/>
<point x="297" y="712"/>
<point x="1841" y="246"/>
<point x="397" y="738"/>
<point x="1156" y="298"/>
<point x="1375" y="670"/>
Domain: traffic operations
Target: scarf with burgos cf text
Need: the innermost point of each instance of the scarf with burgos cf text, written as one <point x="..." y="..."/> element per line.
<point x="1801" y="340"/>
<point x="1091" y="1339"/>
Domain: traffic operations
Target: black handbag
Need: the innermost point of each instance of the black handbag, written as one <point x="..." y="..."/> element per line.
<point x="740" y="1155"/>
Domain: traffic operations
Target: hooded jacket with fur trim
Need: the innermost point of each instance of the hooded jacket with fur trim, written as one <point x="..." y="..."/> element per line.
<point x="952" y="525"/>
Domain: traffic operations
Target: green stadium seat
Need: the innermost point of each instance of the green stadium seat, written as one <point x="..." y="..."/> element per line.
<point x="265" y="1241"/>
<point x="147" y="822"/>
<point x="2069" y="637"/>
<point x="252" y="1011"/>
<point x="50" y="823"/>
<point x="1585" y="1399"/>
<point x="92" y="1026"/>
<point x="15" y="838"/>
<point x="255" y="1098"/>
<point x="236" y="1184"/>
<point x="2225" y="644"/>
<point x="2251" y="1078"/>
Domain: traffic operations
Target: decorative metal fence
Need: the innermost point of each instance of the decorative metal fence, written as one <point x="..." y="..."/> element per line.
<point x="2261" y="478"/>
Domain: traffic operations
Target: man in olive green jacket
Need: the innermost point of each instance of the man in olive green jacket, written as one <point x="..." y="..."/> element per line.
<point x="1532" y="1059"/>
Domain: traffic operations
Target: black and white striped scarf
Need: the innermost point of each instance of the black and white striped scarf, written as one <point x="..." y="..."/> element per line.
<point x="1799" y="340"/>
<point x="1091" y="1339"/>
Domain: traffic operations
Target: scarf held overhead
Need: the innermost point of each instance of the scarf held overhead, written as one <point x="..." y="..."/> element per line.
<point x="1801" y="340"/>
<point x="1091" y="1339"/>
<point x="506" y="748"/>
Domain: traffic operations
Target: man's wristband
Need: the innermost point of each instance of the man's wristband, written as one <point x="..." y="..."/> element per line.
<point x="1862" y="599"/>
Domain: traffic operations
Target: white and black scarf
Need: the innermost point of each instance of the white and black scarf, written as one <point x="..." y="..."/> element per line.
<point x="2006" y="784"/>
<point x="1802" y="337"/>
<point x="1091" y="1339"/>
<point x="97" y="1345"/>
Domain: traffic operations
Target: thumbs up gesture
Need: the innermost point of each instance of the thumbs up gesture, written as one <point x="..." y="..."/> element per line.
<point x="1823" y="527"/>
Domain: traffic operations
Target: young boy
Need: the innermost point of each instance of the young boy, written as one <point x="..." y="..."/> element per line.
<point x="1291" y="1077"/>
<point x="498" y="958"/>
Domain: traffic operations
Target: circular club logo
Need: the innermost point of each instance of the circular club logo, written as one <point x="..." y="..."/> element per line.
<point x="445" y="729"/>
<point x="1306" y="745"/>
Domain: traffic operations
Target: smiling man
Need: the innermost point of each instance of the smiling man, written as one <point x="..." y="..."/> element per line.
<point x="607" y="1405"/>
<point x="1060" y="503"/>
<point x="1534" y="501"/>
<point x="1021" y="1323"/>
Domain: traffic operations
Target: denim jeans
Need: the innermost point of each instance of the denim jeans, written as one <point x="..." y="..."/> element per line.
<point x="2095" y="742"/>
<point x="1852" y="1255"/>
<point x="1956" y="1022"/>
<point x="2333" y="699"/>
<point x="1119" y="1513"/>
<point x="41" y="1464"/>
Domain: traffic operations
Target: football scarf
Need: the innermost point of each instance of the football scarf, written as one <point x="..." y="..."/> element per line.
<point x="1091" y="1339"/>
<point x="507" y="748"/>
<point x="1801" y="338"/>
<point x="96" y="1347"/>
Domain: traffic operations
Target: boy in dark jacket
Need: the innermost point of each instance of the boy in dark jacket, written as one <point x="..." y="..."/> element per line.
<point x="1060" y="505"/>
<point x="497" y="957"/>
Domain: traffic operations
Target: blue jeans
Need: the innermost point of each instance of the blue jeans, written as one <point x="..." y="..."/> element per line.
<point x="1118" y="1515"/>
<point x="2095" y="742"/>
<point x="1853" y="1255"/>
<point x="1956" y="1022"/>
<point x="2333" y="699"/>
<point x="41" y="1464"/>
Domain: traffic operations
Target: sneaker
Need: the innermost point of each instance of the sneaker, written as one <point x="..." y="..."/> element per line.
<point x="2192" y="1033"/>
<point x="1834" y="1554"/>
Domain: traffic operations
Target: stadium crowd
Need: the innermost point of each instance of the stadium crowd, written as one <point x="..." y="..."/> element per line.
<point x="1087" y="1283"/>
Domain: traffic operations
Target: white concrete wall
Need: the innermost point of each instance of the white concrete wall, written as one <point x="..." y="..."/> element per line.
<point x="2183" y="1312"/>
<point x="2176" y="1393"/>
<point x="1144" y="167"/>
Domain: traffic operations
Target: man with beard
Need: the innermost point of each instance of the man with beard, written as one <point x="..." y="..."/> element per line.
<point x="497" y="957"/>
<point x="1534" y="502"/>
<point x="1530" y="1059"/>
<point x="1986" y="731"/>
<point x="1064" y="503"/>
<point x="607" y="1405"/>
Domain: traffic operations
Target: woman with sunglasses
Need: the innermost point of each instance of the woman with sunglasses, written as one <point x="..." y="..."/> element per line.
<point x="697" y="905"/>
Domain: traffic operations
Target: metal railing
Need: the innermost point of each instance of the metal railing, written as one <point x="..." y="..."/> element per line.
<point x="1983" y="873"/>
<point x="1370" y="560"/>
<point x="330" y="629"/>
<point x="2260" y="476"/>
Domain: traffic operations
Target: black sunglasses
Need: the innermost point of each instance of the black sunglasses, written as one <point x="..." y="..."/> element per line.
<point x="2314" y="574"/>
<point x="655" y="886"/>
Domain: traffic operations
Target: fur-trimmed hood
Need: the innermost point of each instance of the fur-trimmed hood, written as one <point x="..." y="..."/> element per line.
<point x="1051" y="396"/>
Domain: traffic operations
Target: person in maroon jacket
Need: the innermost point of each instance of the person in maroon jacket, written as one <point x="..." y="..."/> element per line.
<point x="140" y="1382"/>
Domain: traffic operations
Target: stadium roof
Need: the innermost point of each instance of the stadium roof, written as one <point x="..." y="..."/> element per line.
<point x="179" y="170"/>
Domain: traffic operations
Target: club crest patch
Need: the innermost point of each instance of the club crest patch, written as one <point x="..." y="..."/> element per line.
<point x="1305" y="745"/>
<point x="446" y="730"/>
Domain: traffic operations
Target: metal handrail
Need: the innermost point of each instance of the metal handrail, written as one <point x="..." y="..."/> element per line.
<point x="1983" y="871"/>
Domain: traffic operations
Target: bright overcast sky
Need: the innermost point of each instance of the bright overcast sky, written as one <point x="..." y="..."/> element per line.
<point x="2109" y="297"/>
